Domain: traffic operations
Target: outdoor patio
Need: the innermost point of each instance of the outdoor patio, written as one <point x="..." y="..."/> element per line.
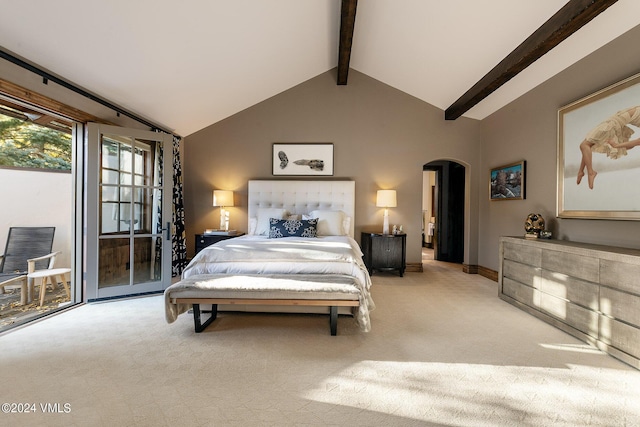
<point x="13" y="313"/>
<point x="54" y="189"/>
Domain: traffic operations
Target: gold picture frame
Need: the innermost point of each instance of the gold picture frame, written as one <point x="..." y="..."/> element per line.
<point x="593" y="130"/>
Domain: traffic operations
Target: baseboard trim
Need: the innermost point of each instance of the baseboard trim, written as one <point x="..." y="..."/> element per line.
<point x="488" y="273"/>
<point x="469" y="269"/>
<point x="483" y="271"/>
<point x="414" y="267"/>
<point x="466" y="268"/>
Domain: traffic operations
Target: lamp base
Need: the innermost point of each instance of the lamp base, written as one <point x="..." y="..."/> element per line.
<point x="385" y="224"/>
<point x="224" y="219"/>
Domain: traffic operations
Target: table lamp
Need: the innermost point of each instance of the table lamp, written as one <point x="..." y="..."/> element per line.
<point x="386" y="199"/>
<point x="223" y="198"/>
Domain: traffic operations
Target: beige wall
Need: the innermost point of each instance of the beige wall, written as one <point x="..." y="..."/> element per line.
<point x="527" y="129"/>
<point x="382" y="138"/>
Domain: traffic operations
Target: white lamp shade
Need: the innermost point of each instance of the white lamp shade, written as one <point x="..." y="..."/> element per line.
<point x="386" y="199"/>
<point x="222" y="198"/>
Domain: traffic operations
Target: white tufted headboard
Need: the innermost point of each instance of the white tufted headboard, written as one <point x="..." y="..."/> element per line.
<point x="302" y="197"/>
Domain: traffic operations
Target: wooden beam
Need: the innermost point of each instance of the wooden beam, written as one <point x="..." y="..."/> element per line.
<point x="574" y="15"/>
<point x="48" y="104"/>
<point x="25" y="113"/>
<point x="44" y="120"/>
<point x="347" y="24"/>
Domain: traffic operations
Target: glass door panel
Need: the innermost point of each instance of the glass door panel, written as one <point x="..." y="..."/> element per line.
<point x="148" y="260"/>
<point x="113" y="263"/>
<point x="133" y="243"/>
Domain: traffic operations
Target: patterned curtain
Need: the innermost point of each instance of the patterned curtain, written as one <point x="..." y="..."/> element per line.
<point x="157" y="200"/>
<point x="179" y="256"/>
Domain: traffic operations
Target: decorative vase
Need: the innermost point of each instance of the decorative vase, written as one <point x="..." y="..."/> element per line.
<point x="534" y="224"/>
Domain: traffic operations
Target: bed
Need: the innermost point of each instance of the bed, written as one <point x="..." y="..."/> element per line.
<point x="280" y="266"/>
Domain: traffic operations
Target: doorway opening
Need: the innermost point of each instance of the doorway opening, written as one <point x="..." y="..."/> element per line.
<point x="128" y="212"/>
<point x="443" y="212"/>
<point x="38" y="222"/>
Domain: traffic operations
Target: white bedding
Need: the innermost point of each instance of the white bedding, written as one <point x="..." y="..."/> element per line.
<point x="291" y="255"/>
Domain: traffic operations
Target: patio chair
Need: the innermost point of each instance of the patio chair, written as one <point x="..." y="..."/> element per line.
<point x="28" y="249"/>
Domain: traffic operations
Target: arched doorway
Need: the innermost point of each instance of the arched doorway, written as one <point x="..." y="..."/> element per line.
<point x="448" y="210"/>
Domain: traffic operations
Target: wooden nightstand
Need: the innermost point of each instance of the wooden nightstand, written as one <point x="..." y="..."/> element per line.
<point x="384" y="251"/>
<point x="204" y="240"/>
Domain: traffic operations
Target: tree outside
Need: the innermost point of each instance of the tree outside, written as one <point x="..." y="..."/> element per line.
<point x="29" y="145"/>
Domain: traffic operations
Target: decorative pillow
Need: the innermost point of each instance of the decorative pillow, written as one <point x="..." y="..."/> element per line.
<point x="263" y="217"/>
<point x="292" y="228"/>
<point x="330" y="223"/>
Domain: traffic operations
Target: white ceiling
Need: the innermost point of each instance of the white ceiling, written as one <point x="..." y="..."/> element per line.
<point x="190" y="63"/>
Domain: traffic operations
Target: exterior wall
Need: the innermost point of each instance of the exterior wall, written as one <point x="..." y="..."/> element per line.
<point x="35" y="198"/>
<point x="527" y="129"/>
<point x="382" y="139"/>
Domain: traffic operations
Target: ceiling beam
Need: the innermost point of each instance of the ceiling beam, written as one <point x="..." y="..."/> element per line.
<point x="20" y="93"/>
<point x="568" y="20"/>
<point x="347" y="24"/>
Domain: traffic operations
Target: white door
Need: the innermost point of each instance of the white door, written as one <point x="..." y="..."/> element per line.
<point x="128" y="211"/>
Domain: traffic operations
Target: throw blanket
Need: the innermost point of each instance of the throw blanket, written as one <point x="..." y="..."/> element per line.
<point x="259" y="255"/>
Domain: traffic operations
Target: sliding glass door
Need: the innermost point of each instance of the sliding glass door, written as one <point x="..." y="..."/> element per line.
<point x="128" y="211"/>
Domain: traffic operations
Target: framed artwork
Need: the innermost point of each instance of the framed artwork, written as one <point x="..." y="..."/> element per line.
<point x="598" y="170"/>
<point x="302" y="159"/>
<point x="507" y="182"/>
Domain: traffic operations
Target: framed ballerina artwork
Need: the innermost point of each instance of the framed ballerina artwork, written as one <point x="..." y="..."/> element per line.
<point x="598" y="167"/>
<point x="303" y="159"/>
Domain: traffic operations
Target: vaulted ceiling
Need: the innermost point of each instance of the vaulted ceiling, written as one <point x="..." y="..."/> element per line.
<point x="190" y="63"/>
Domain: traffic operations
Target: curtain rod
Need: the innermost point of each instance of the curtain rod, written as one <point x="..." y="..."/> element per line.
<point x="48" y="76"/>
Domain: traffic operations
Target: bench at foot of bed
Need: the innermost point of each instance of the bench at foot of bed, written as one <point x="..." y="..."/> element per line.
<point x="285" y="291"/>
<point x="200" y="326"/>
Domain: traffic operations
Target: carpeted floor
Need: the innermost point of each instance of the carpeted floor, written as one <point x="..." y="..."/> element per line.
<point x="443" y="351"/>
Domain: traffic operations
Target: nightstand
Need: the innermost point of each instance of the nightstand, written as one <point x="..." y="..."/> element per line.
<point x="204" y="240"/>
<point x="384" y="251"/>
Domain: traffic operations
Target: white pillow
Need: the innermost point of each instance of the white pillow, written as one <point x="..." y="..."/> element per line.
<point x="346" y="225"/>
<point x="253" y="224"/>
<point x="263" y="216"/>
<point x="330" y="223"/>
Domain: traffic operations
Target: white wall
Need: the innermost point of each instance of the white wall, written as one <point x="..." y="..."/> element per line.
<point x="428" y="181"/>
<point x="31" y="198"/>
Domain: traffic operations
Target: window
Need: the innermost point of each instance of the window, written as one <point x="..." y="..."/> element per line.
<point x="32" y="139"/>
<point x="124" y="196"/>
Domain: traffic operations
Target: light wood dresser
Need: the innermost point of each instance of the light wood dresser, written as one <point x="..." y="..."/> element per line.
<point x="589" y="291"/>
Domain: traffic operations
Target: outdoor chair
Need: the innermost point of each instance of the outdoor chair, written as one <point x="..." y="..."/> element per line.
<point x="28" y="249"/>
